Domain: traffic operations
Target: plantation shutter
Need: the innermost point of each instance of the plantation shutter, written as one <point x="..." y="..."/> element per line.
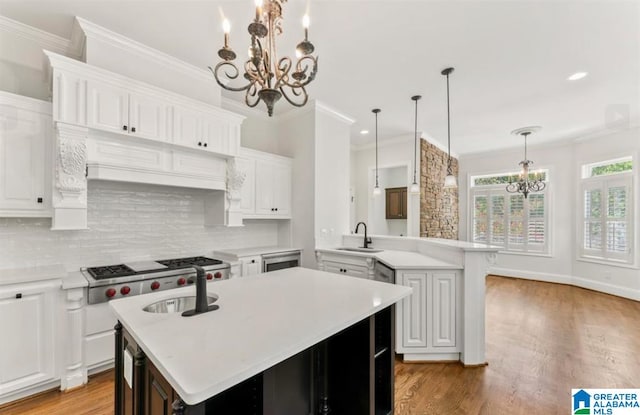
<point x="480" y="218"/>
<point x="536" y="229"/>
<point x="516" y="221"/>
<point x="497" y="219"/>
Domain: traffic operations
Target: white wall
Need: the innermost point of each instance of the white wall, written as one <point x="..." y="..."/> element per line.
<point x="296" y="140"/>
<point x="391" y="153"/>
<point x="563" y="160"/>
<point x="378" y="223"/>
<point x="128" y="222"/>
<point x="332" y="169"/>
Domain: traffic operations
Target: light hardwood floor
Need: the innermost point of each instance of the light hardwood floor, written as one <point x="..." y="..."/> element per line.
<point x="542" y="340"/>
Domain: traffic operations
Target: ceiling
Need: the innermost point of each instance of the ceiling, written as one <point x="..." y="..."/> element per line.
<point x="511" y="59"/>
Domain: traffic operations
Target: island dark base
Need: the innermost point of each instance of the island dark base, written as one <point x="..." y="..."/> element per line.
<point x="349" y="373"/>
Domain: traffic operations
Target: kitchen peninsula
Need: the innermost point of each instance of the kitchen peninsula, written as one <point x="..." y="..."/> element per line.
<point x="443" y="319"/>
<point x="292" y="341"/>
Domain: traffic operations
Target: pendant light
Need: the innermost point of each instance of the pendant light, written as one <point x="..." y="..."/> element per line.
<point x="415" y="187"/>
<point x="450" y="182"/>
<point x="376" y="189"/>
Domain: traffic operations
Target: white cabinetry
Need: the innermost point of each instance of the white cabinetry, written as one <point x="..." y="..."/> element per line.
<point x="428" y="326"/>
<point x="359" y="266"/>
<point x="99" y="337"/>
<point x="25" y="156"/>
<point x="266" y="191"/>
<point x="114" y="108"/>
<point x="28" y="324"/>
<point x="251" y="265"/>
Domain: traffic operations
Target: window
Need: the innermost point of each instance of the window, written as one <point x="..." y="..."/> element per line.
<point x="507" y="219"/>
<point x="607" y="213"/>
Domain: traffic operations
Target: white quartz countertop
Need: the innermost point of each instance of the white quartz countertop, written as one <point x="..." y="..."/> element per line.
<point x="32" y="274"/>
<point x="260" y="250"/>
<point x="412" y="260"/>
<point x="262" y="320"/>
<point x="452" y="243"/>
<point x="398" y="259"/>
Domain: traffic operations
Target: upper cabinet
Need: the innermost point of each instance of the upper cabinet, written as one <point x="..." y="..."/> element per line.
<point x="266" y="190"/>
<point x="113" y="108"/>
<point x="396" y="203"/>
<point x="25" y="157"/>
<point x="88" y="96"/>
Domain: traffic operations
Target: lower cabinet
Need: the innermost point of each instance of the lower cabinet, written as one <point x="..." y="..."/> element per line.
<point x="429" y="322"/>
<point x="351" y="373"/>
<point x="251" y="265"/>
<point x="98" y="340"/>
<point x="351" y="265"/>
<point x="28" y="349"/>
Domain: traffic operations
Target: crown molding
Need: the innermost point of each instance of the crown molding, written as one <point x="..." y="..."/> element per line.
<point x="244" y="109"/>
<point x="26" y="103"/>
<point x="93" y="31"/>
<point x="326" y="109"/>
<point x="44" y="39"/>
<point x="401" y="140"/>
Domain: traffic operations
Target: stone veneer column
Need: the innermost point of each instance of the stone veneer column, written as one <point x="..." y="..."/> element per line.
<point x="438" y="206"/>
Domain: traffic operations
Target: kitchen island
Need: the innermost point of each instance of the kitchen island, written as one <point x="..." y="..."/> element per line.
<point x="293" y="341"/>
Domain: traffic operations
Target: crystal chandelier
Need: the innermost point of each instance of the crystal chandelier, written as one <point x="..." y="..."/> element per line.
<point x="526" y="184"/>
<point x="268" y="78"/>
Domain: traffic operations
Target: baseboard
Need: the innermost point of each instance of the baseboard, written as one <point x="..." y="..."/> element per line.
<point x="616" y="290"/>
<point x="430" y="357"/>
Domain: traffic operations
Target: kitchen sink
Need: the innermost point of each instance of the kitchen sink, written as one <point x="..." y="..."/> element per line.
<point x="176" y="305"/>
<point x="369" y="250"/>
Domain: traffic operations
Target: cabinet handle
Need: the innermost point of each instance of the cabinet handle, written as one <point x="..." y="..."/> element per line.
<point x="133" y="129"/>
<point x="39" y="200"/>
<point x="124" y="127"/>
<point x="19" y="295"/>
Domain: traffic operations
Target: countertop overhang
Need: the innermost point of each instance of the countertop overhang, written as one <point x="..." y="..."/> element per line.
<point x="262" y="321"/>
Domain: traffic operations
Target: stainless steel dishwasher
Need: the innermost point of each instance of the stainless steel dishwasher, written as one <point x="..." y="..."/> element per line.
<point x="384" y="273"/>
<point x="280" y="260"/>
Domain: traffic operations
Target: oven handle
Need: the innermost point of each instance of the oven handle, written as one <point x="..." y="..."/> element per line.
<point x="286" y="256"/>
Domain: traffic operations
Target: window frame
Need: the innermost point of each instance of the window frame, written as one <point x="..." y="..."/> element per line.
<point x="604" y="183"/>
<point x="490" y="191"/>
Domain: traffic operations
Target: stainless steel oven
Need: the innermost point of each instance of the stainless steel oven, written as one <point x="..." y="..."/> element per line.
<point x="280" y="260"/>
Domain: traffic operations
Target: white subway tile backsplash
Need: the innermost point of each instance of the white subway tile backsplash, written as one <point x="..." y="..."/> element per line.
<point x="128" y="222"/>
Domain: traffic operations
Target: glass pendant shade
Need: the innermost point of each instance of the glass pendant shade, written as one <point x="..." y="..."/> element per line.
<point x="415" y="188"/>
<point x="450" y="182"/>
<point x="376" y="191"/>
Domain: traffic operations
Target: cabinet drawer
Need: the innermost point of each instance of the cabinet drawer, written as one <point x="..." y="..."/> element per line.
<point x="99" y="348"/>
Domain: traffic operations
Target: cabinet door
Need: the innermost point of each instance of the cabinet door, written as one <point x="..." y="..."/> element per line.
<point x="24" y="162"/>
<point x="396" y="203"/>
<point x="108" y="107"/>
<point x="282" y="189"/>
<point x="251" y="265"/>
<point x="333" y="267"/>
<point x="265" y="204"/>
<point x="28" y="346"/>
<point x="188" y="129"/>
<point x="148" y="117"/>
<point x="248" y="191"/>
<point x="444" y="309"/>
<point x="215" y="135"/>
<point x="356" y="271"/>
<point x="158" y="394"/>
<point x="414" y="310"/>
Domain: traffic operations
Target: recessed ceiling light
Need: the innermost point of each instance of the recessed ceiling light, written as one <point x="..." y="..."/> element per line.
<point x="576" y="76"/>
<point x="363" y="132"/>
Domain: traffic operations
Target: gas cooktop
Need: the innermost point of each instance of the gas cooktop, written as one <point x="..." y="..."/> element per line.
<point x="122" y="270"/>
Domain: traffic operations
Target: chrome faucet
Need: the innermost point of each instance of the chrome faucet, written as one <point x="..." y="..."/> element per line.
<point x="367" y="240"/>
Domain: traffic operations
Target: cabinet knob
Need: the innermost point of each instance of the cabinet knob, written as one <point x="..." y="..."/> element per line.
<point x="253" y="261"/>
<point x="124" y="127"/>
<point x="39" y="200"/>
<point x="276" y="209"/>
<point x="19" y="295"/>
<point x="133" y="129"/>
<point x="200" y="143"/>
<point x="205" y="144"/>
